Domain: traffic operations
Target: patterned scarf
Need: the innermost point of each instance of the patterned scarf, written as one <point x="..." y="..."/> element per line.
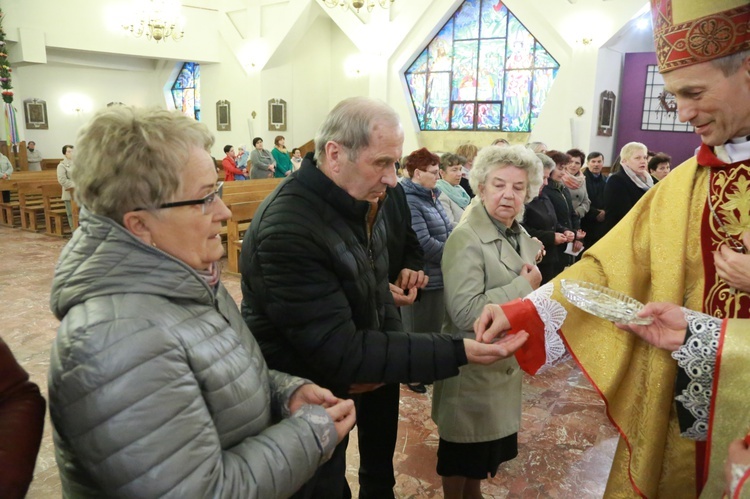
<point x="573" y="182"/>
<point x="456" y="193"/>
<point x="212" y="275"/>
<point x="643" y="184"/>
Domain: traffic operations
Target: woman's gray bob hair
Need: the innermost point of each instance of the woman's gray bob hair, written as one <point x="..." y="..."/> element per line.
<point x="129" y="158"/>
<point x="492" y="157"/>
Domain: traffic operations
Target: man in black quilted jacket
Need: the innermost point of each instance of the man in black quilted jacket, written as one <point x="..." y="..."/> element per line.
<point x="315" y="276"/>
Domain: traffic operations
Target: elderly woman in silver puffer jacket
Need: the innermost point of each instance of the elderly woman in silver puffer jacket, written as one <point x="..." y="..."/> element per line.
<point x="157" y="387"/>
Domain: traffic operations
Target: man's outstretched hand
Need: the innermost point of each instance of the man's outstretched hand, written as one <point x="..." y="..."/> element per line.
<point x="668" y="329"/>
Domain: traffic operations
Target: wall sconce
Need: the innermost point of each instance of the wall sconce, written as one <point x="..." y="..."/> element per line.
<point x="356" y="66"/>
<point x="76" y="104"/>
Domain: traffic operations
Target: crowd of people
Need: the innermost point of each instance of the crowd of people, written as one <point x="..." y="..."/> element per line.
<point x="160" y="385"/>
<point x="260" y="162"/>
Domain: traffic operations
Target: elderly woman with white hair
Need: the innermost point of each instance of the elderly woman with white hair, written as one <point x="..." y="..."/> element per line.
<point x="157" y="388"/>
<point x="488" y="258"/>
<point x="629" y="184"/>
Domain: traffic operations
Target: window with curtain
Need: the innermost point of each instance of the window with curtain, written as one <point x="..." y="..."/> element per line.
<point x="482" y="71"/>
<point x="186" y="90"/>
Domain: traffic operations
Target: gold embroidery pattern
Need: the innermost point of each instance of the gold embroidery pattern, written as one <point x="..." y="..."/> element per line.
<point x="730" y="196"/>
<point x="680" y="44"/>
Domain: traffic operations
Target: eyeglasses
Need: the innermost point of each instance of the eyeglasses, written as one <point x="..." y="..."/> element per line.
<point x="435" y="173"/>
<point x="205" y="201"/>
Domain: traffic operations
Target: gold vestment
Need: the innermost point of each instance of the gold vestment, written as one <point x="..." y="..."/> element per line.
<point x="653" y="254"/>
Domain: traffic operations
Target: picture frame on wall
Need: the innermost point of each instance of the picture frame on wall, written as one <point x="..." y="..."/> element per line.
<point x="35" y="112"/>
<point x="607" y="102"/>
<point x="277" y="115"/>
<point x="223" y="116"/>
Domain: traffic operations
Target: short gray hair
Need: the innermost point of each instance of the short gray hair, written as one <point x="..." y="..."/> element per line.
<point x="629" y="149"/>
<point x="730" y="64"/>
<point x="350" y="125"/>
<point x="537" y="146"/>
<point x="129" y="158"/>
<point x="492" y="157"/>
<point x="547" y="162"/>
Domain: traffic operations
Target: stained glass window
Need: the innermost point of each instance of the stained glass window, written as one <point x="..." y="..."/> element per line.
<point x="186" y="90"/>
<point x="482" y="71"/>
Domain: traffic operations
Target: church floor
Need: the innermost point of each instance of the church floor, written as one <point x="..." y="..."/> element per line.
<point x="566" y="442"/>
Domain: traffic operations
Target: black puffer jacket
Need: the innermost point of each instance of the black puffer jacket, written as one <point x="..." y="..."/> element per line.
<point x="315" y="292"/>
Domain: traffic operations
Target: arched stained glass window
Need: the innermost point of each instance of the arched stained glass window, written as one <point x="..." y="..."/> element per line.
<point x="186" y="90"/>
<point x="482" y="71"/>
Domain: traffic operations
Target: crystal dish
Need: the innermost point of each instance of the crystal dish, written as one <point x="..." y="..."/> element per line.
<point x="604" y="302"/>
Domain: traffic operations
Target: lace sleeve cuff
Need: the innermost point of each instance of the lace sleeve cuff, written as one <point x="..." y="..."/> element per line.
<point x="540" y="316"/>
<point x="697" y="360"/>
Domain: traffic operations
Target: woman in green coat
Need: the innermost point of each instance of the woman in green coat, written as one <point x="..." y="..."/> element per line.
<point x="282" y="158"/>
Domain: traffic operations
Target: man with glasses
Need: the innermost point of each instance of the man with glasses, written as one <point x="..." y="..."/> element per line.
<point x="315" y="281"/>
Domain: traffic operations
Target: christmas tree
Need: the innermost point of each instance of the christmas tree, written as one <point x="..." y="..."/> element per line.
<point x="4" y="65"/>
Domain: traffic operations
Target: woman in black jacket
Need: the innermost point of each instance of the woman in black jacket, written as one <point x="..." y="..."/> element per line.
<point x="540" y="221"/>
<point x="561" y="199"/>
<point x="627" y="186"/>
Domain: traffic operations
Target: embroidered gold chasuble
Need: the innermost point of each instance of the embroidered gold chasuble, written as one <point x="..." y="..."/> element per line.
<point x="660" y="251"/>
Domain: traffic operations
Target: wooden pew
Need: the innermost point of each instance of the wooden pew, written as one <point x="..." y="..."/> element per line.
<point x="242" y="215"/>
<point x="264" y="184"/>
<point x="75" y="209"/>
<point x="10" y="210"/>
<point x="55" y="216"/>
<point x="10" y="213"/>
<point x="241" y="197"/>
<point x="31" y="205"/>
<point x="11" y="184"/>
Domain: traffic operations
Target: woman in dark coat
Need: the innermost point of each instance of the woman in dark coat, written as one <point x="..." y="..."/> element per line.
<point x="567" y="218"/>
<point x="627" y="186"/>
<point x="540" y="221"/>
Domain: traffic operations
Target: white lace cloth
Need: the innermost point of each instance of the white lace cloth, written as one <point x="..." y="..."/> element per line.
<point x="552" y="314"/>
<point x="697" y="357"/>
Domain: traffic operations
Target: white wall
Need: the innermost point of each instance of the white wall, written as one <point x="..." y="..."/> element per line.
<point x="608" y="74"/>
<point x="54" y="82"/>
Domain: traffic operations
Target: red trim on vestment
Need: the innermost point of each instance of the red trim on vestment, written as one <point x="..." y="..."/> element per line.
<point x="522" y="315"/>
<point x="606" y="405"/>
<point x="745" y="478"/>
<point x="706" y="157"/>
<point x="712" y="407"/>
<point x="701" y="466"/>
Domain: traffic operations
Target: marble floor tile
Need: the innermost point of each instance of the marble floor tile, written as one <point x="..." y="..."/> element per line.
<point x="566" y="442"/>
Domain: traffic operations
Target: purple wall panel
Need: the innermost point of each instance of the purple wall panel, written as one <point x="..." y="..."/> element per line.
<point x="679" y="145"/>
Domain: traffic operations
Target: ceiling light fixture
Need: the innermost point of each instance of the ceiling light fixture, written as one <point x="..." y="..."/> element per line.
<point x="158" y="20"/>
<point x="358" y="4"/>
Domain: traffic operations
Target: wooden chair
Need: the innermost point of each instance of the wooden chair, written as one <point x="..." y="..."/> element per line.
<point x="242" y="215"/>
<point x="55" y="216"/>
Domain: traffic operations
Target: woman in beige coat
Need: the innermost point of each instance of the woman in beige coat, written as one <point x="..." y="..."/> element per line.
<point x="489" y="258"/>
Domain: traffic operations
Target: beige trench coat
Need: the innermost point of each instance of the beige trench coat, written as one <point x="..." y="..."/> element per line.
<point x="482" y="403"/>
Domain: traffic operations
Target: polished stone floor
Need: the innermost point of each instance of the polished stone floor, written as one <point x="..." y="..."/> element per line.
<point x="566" y="443"/>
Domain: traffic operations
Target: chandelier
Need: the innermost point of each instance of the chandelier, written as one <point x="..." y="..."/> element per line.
<point x="158" y="20"/>
<point x="358" y="4"/>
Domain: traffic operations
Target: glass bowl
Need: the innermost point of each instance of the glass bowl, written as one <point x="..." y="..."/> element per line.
<point x="604" y="302"/>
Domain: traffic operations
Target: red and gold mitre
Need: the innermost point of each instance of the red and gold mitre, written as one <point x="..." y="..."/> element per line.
<point x="689" y="32"/>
